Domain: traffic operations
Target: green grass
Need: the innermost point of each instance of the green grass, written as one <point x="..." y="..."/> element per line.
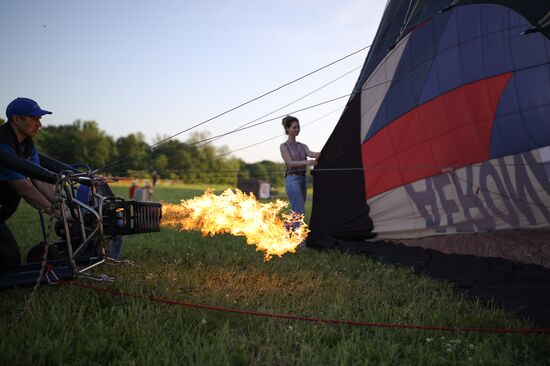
<point x="68" y="325"/>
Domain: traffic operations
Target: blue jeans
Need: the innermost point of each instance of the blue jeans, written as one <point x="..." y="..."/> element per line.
<point x="296" y="191"/>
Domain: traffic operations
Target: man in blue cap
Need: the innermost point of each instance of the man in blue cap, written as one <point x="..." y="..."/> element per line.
<point x="16" y="138"/>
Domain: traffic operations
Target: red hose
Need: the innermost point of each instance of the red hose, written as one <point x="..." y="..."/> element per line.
<point x="115" y="292"/>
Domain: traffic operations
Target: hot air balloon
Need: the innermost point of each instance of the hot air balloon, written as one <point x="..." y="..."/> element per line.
<point x="446" y="134"/>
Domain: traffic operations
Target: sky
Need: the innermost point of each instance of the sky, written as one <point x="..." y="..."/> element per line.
<point x="160" y="67"/>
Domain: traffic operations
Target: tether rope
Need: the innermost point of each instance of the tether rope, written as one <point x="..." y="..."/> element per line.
<point x="115" y="292"/>
<point x="57" y="205"/>
<point x="287" y="105"/>
<point x="412" y="72"/>
<point x="243" y="104"/>
<point x="389" y="36"/>
<point x="277" y="136"/>
<point x="401" y="77"/>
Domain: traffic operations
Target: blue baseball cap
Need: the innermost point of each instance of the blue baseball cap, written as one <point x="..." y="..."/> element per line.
<point x="24" y="107"/>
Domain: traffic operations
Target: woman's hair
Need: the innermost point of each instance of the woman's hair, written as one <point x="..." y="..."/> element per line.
<point x="288" y="121"/>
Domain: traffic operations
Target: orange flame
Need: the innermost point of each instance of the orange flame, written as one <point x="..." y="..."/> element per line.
<point x="263" y="224"/>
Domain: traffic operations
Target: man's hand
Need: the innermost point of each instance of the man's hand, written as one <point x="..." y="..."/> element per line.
<point x="56" y="212"/>
<point x="47" y="190"/>
<point x="53" y="211"/>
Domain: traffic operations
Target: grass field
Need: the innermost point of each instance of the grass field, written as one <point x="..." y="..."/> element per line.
<point x="73" y="326"/>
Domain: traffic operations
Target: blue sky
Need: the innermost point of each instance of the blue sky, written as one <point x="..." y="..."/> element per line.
<point x="158" y="67"/>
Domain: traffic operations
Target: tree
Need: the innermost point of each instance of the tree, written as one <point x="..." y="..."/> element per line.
<point x="80" y="142"/>
<point x="97" y="149"/>
<point x="160" y="164"/>
<point x="258" y="171"/>
<point x="131" y="148"/>
<point x="194" y="161"/>
<point x="179" y="157"/>
<point x="275" y="172"/>
<point x="244" y="174"/>
<point x="60" y="142"/>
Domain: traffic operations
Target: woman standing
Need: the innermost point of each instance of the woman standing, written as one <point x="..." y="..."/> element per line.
<point x="295" y="154"/>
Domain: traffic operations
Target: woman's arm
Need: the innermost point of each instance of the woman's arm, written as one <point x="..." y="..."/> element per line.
<point x="312" y="154"/>
<point x="294" y="163"/>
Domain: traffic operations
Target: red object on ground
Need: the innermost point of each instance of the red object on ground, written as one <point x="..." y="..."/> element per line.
<point x="116" y="292"/>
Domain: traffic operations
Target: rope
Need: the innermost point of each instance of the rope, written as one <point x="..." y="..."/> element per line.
<point x="56" y="205"/>
<point x="444" y="168"/>
<point x="241" y="105"/>
<point x="119" y="162"/>
<point x="408" y="17"/>
<point x="277" y="136"/>
<point x="389" y="36"/>
<point x="287" y="105"/>
<point x="115" y="292"/>
<point x="412" y="72"/>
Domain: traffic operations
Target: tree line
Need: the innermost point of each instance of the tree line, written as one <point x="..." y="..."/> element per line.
<point x="83" y="142"/>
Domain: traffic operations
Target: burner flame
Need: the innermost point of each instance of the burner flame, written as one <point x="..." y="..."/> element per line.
<point x="262" y="224"/>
